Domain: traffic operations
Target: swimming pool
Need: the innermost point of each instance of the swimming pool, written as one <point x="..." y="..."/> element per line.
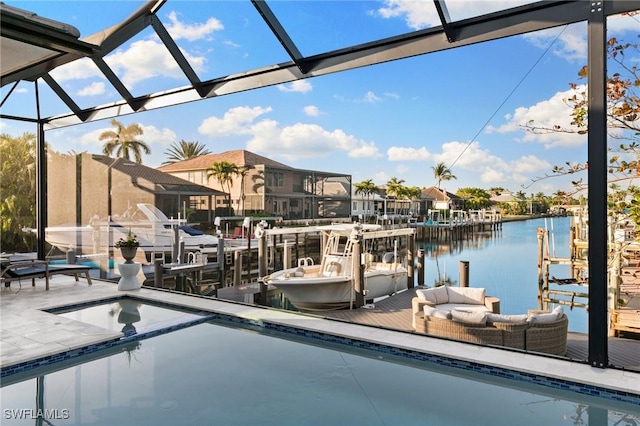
<point x="127" y="314"/>
<point x="213" y="374"/>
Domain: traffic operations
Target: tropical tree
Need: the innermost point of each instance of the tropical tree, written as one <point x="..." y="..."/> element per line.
<point x="366" y="188"/>
<point x="183" y="150"/>
<point x="243" y="171"/>
<point x="412" y="193"/>
<point x="124" y="141"/>
<point x="442" y="172"/>
<point x="475" y="198"/>
<point x="623" y="111"/>
<point x="223" y="172"/>
<point x="395" y="187"/>
<point x="17" y="190"/>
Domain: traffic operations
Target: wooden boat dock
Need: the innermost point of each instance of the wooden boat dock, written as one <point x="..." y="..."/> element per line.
<point x="395" y="312"/>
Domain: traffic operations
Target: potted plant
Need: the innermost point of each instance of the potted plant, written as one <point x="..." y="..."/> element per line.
<point x="128" y="246"/>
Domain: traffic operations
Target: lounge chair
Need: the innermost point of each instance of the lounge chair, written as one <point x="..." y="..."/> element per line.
<point x="32" y="269"/>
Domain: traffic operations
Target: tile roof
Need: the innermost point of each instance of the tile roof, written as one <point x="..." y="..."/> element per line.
<point x="439" y="194"/>
<point x="239" y="157"/>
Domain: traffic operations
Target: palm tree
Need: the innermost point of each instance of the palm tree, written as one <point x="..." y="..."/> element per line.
<point x="223" y="172"/>
<point x="395" y="188"/>
<point x="442" y="172"/>
<point x="366" y="188"/>
<point x="124" y="141"/>
<point x="183" y="150"/>
<point x="243" y="171"/>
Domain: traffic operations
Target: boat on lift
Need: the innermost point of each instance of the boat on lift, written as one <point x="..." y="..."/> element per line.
<point x="329" y="285"/>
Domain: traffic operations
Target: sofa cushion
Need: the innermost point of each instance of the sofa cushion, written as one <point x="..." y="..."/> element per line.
<point x="547" y="318"/>
<point x="466" y="295"/>
<point x="430" y="311"/>
<point x="469" y="317"/>
<point x="436" y="295"/>
<point x="509" y="319"/>
<point x="462" y="307"/>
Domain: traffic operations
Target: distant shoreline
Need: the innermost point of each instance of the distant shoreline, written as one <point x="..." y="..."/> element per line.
<point x="521" y="217"/>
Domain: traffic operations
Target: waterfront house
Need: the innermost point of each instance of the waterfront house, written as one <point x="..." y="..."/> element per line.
<point x="269" y="187"/>
<point x="442" y="199"/>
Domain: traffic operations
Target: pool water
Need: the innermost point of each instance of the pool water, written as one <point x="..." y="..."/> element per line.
<point x="127" y="314"/>
<point x="211" y="374"/>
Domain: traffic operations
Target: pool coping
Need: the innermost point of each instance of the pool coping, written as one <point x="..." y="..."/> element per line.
<point x="615" y="384"/>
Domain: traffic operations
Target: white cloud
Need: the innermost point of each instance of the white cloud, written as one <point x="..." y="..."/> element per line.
<point x="392" y="95"/>
<point x="146" y="59"/>
<point x="417" y="14"/>
<point x="179" y="30"/>
<point x="422" y="14"/>
<point x="234" y="121"/>
<point x="302" y="140"/>
<point x="370" y="97"/>
<point x="571" y="43"/>
<point x="96" y="88"/>
<point x="21" y="90"/>
<point x="151" y="135"/>
<point x="312" y="111"/>
<point x="547" y="114"/>
<point x="81" y="69"/>
<point x="462" y="157"/>
<point x="529" y="164"/>
<point x="300" y="86"/>
<point x="468" y="156"/>
<point x="299" y="140"/>
<point x="396" y="153"/>
<point x="381" y="178"/>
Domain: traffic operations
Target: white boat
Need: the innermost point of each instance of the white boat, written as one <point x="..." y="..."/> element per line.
<point x="155" y="231"/>
<point x="330" y="284"/>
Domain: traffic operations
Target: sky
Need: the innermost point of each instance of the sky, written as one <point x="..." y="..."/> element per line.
<point x="466" y="107"/>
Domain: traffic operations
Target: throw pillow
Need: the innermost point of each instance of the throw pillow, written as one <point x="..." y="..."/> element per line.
<point x="558" y="311"/>
<point x="466" y="295"/>
<point x="436" y="295"/>
<point x="466" y="317"/>
<point x="543" y="318"/>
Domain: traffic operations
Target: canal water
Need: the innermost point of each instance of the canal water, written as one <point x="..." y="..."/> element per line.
<point x="505" y="262"/>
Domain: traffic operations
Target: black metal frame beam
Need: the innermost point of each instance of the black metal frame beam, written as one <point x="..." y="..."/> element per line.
<point x="280" y="33"/>
<point x="445" y="19"/>
<point x="516" y="21"/>
<point x="597" y="191"/>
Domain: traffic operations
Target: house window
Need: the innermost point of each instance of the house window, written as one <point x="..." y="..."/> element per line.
<point x="203" y="178"/>
<point x="191" y="177"/>
<point x="275" y="180"/>
<point x="354" y="205"/>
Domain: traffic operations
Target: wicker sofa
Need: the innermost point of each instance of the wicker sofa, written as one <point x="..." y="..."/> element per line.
<point x="482" y="323"/>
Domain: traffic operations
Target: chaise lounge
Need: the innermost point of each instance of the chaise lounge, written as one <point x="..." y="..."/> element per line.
<point x="466" y="314"/>
<point x="32" y="269"/>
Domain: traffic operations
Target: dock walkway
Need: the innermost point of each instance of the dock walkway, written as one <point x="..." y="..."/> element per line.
<point x="395" y="312"/>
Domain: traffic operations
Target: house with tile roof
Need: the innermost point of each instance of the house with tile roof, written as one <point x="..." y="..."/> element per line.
<point x="441" y="199"/>
<point x="269" y="187"/>
<point x="83" y="186"/>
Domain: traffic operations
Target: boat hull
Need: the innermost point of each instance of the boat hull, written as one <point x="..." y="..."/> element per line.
<point x="314" y="292"/>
